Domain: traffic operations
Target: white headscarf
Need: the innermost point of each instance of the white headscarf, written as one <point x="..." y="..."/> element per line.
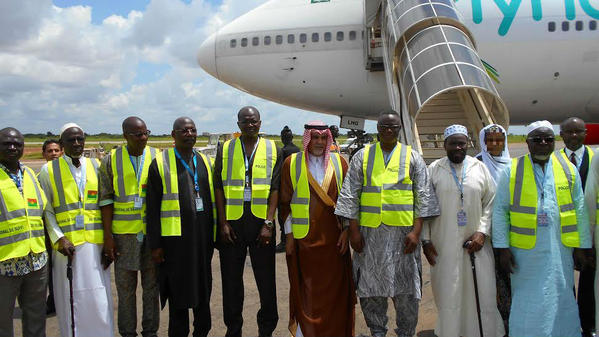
<point x="494" y="164"/>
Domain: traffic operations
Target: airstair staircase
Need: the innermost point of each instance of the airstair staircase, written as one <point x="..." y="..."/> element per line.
<point x="434" y="75"/>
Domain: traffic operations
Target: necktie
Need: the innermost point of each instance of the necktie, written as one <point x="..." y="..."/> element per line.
<point x="573" y="159"/>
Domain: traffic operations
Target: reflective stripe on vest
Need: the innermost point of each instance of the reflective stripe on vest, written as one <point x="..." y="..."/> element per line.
<point x="523" y="201"/>
<point x="126" y="219"/>
<point x="21" y="225"/>
<point x="68" y="205"/>
<point x="170" y="211"/>
<point x="233" y="172"/>
<point x="300" y="201"/>
<point x="387" y="195"/>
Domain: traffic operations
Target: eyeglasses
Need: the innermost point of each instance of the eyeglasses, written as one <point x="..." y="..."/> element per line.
<point x="139" y="134"/>
<point x="540" y="140"/>
<point x="389" y="126"/>
<point x="248" y="122"/>
<point x="192" y="131"/>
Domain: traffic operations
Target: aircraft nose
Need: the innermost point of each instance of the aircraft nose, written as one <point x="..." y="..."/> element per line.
<point x="207" y="55"/>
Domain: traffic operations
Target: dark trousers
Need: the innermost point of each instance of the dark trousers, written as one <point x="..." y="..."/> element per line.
<point x="178" y="321"/>
<point x="586" y="300"/>
<point x="232" y="261"/>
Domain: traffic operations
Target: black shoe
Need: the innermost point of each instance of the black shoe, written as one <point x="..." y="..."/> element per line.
<point x="280" y="248"/>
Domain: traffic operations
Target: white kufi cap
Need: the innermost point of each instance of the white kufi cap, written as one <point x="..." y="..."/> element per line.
<point x="68" y="126"/>
<point x="537" y="125"/>
<point x="455" y="129"/>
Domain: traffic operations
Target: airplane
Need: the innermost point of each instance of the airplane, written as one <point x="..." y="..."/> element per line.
<point x="325" y="55"/>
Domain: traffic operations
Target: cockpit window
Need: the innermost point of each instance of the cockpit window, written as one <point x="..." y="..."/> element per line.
<point x="233" y="43"/>
<point x="267" y="40"/>
<point x="327" y="36"/>
<point x="290" y="38"/>
<point x="279" y="39"/>
<point x="255" y="41"/>
<point x="314" y="37"/>
<point x="339" y="36"/>
<point x="352" y="35"/>
<point x="244" y="42"/>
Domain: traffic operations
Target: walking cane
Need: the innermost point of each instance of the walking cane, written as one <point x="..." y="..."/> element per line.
<point x="480" y="323"/>
<point x="70" y="278"/>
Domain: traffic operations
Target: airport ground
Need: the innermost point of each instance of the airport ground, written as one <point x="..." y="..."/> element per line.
<point x="426" y="319"/>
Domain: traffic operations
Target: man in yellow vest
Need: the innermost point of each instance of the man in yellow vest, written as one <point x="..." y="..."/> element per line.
<point x="181" y="229"/>
<point x="123" y="177"/>
<point x="386" y="195"/>
<point x="23" y="257"/>
<point x="573" y="132"/>
<point x="320" y="303"/>
<point x="74" y="224"/>
<point x="246" y="186"/>
<point x="539" y="218"/>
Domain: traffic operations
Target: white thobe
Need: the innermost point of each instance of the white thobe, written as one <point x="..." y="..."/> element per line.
<point x="451" y="277"/>
<point x="91" y="283"/>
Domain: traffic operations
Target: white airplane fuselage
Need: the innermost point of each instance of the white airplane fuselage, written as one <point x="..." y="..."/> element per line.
<point x="543" y="74"/>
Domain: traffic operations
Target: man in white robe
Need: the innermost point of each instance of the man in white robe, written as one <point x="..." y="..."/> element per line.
<point x="91" y="282"/>
<point x="465" y="190"/>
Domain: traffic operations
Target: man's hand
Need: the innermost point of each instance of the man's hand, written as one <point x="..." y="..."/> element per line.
<point x="289" y="244"/>
<point x="65" y="247"/>
<point x="158" y="255"/>
<point x="430" y="253"/>
<point x="110" y="250"/>
<point x="356" y="239"/>
<point x="265" y="236"/>
<point x="507" y="263"/>
<point x="410" y="242"/>
<point x="477" y="241"/>
<point x="342" y="242"/>
<point x="227" y="234"/>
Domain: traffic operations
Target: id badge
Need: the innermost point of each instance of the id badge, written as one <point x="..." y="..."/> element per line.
<point x="542" y="219"/>
<point x="140" y="237"/>
<point x="462" y="219"/>
<point x="79" y="222"/>
<point x="199" y="204"/>
<point x="138" y="202"/>
<point x="247" y="194"/>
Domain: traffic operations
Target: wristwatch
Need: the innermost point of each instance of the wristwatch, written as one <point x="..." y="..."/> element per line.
<point x="269" y="224"/>
<point x="425" y="242"/>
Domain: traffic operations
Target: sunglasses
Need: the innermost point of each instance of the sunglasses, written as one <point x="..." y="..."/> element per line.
<point x="539" y="140"/>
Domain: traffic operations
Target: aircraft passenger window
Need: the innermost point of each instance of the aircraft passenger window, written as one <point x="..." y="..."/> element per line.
<point x="314" y="37"/>
<point x="233" y="43"/>
<point x="303" y="38"/>
<point x="339" y="36"/>
<point x="290" y="38"/>
<point x="244" y="42"/>
<point x="279" y="39"/>
<point x="565" y="26"/>
<point x="267" y="40"/>
<point x="578" y="25"/>
<point x="327" y="36"/>
<point x="352" y="35"/>
<point x="593" y="25"/>
<point x="551" y="27"/>
<point x="255" y="41"/>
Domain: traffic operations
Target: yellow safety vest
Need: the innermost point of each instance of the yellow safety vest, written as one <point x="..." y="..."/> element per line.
<point x="21" y="225"/>
<point x="126" y="219"/>
<point x="300" y="202"/>
<point x="589" y="151"/>
<point x="233" y="175"/>
<point x="68" y="205"/>
<point x="523" y="202"/>
<point x="170" y="209"/>
<point x="387" y="195"/>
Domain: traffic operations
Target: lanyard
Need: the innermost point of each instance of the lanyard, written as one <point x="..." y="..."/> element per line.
<point x="138" y="170"/>
<point x="457" y="182"/>
<point x="245" y="159"/>
<point x="193" y="173"/>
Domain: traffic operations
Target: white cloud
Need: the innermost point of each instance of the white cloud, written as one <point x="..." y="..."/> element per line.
<point x="57" y="66"/>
